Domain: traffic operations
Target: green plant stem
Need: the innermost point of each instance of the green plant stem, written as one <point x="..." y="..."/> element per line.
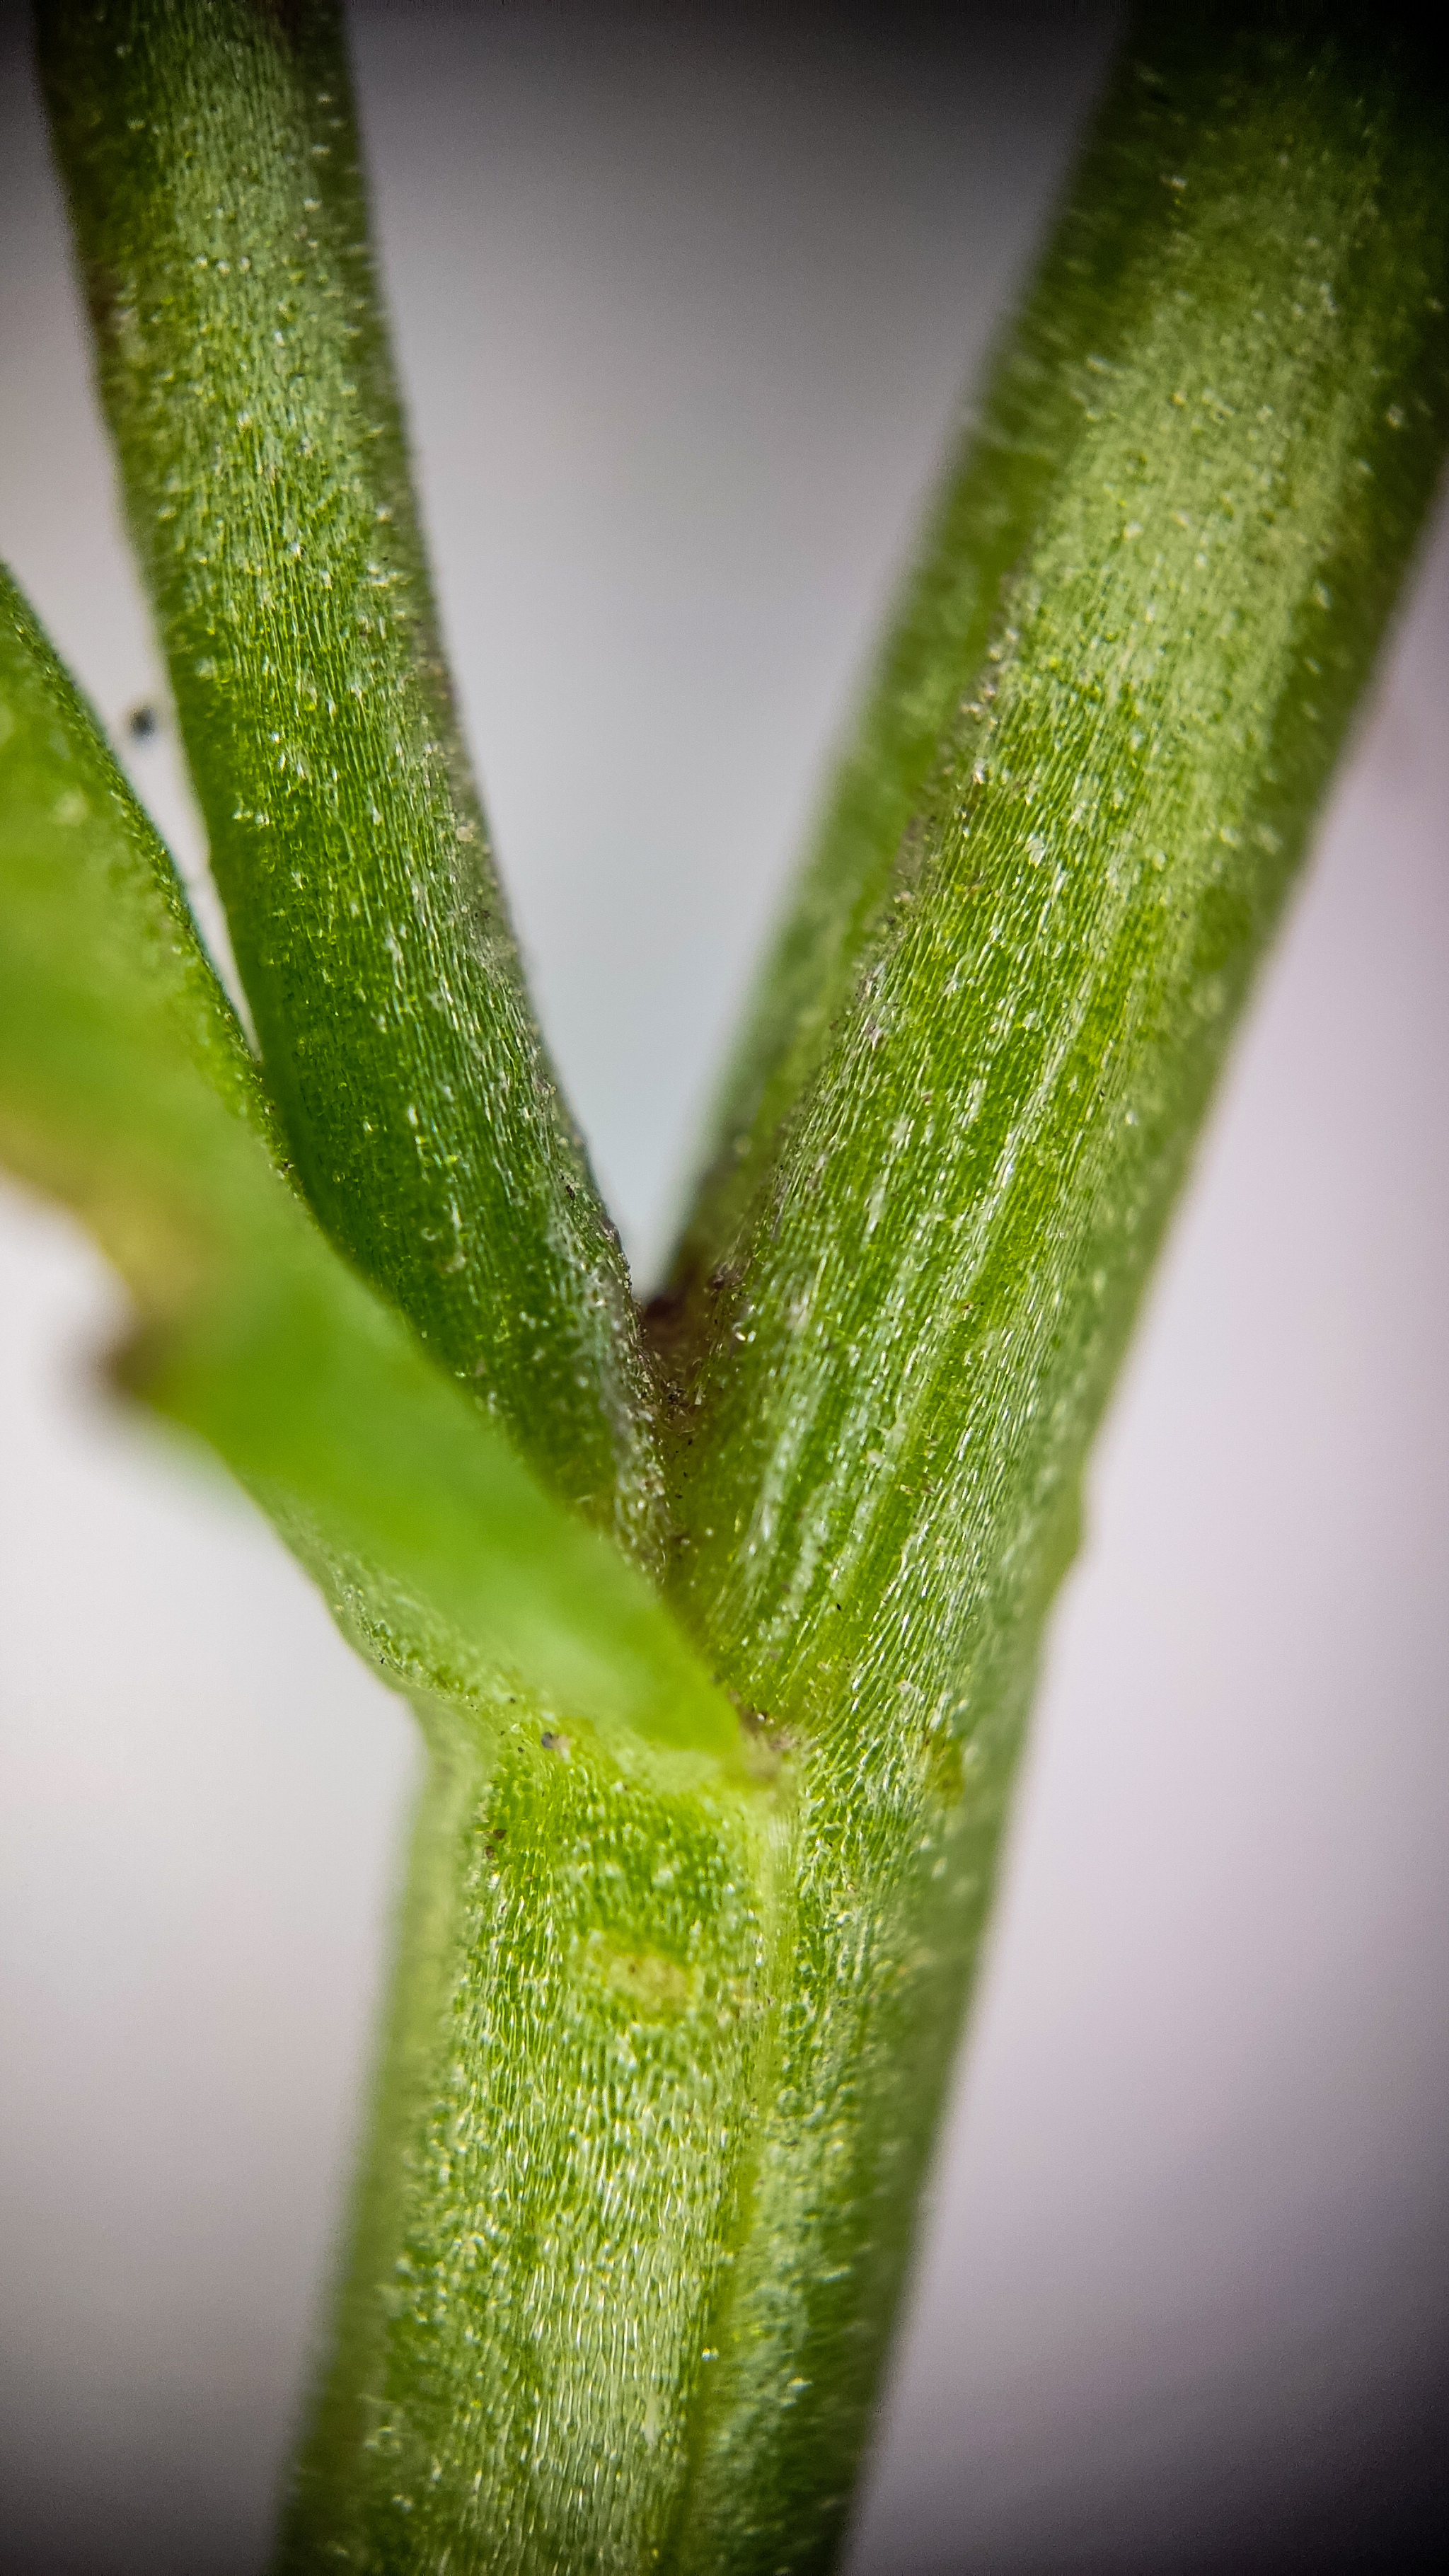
<point x="887" y="1379"/>
<point x="211" y="156"/>
<point x="889" y="1391"/>
<point x="667" y="2047"/>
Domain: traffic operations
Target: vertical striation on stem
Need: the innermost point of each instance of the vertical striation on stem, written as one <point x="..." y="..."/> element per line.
<point x="902" y="1304"/>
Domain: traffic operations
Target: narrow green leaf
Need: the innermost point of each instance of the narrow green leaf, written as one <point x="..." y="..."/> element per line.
<point x="211" y="155"/>
<point x="126" y="1089"/>
<point x="60" y="779"/>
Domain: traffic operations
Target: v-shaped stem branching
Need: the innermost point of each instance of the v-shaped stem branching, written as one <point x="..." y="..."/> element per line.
<point x="677" y="1995"/>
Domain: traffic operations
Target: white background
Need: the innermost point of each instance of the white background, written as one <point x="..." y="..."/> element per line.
<point x="684" y="309"/>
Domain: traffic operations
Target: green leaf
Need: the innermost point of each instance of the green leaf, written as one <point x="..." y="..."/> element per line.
<point x="212" y="160"/>
<point x="127" y="1090"/>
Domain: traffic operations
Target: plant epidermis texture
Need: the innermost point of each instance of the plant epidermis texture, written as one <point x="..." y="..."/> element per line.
<point x="668" y="2039"/>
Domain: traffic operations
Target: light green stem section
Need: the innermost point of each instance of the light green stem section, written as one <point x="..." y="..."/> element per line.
<point x="890" y="1356"/>
<point x="570" y="2098"/>
<point x="211" y="156"/>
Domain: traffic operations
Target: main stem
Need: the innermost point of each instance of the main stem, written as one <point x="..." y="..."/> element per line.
<point x="1157" y="585"/>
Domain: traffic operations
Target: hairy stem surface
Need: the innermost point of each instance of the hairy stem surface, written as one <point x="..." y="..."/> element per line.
<point x="211" y="155"/>
<point x="982" y="1057"/>
<point x="668" y="2038"/>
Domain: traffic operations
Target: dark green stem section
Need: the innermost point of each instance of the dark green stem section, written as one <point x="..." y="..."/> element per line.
<point x="1181" y="530"/>
<point x="212" y="160"/>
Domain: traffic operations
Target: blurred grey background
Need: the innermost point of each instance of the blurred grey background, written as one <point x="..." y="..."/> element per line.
<point x="685" y="302"/>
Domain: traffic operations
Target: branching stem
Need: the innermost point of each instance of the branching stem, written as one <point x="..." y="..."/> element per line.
<point x="677" y="1996"/>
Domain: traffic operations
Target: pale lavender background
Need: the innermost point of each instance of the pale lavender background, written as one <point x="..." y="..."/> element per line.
<point x="683" y="306"/>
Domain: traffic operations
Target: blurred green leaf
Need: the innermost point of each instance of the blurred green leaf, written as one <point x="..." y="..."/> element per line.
<point x="127" y="1090"/>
